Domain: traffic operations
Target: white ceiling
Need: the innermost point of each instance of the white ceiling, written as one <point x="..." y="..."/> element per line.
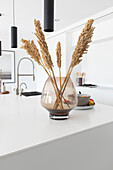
<point x="69" y="12"/>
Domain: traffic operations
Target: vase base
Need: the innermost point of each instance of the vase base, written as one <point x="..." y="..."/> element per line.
<point x="58" y="117"/>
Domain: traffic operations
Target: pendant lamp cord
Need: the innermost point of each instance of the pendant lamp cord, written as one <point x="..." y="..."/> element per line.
<point x="13" y="12"/>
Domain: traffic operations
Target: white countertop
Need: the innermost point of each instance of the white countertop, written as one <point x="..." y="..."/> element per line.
<point x="24" y="123"/>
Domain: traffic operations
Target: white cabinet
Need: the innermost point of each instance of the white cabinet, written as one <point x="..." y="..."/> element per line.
<point x="108" y="97"/>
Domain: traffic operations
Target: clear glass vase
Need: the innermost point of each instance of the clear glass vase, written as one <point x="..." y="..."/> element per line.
<point x="59" y="107"/>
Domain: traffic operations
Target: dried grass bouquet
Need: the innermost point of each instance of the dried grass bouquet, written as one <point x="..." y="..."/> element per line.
<point x="43" y="57"/>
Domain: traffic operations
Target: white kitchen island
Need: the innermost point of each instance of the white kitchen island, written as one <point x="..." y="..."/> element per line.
<point x="29" y="140"/>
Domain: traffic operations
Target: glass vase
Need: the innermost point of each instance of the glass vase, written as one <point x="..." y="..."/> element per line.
<point x="60" y="105"/>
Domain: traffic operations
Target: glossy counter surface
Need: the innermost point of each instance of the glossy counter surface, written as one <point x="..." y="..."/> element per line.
<point x="24" y="123"/>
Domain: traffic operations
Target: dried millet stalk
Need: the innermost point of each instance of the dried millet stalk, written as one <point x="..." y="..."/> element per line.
<point x="43" y="45"/>
<point x="32" y="50"/>
<point x="58" y="54"/>
<point x="83" y="43"/>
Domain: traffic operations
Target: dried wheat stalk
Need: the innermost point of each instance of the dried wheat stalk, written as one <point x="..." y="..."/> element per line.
<point x="58" y="54"/>
<point x="43" y="45"/>
<point x="32" y="50"/>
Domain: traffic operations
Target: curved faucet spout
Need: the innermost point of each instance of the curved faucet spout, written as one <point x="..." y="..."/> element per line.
<point x="24" y="85"/>
<point x="18" y="74"/>
<point x="25" y="58"/>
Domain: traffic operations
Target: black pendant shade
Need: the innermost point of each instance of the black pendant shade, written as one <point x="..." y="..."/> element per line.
<point x="13" y="37"/>
<point x="48" y="15"/>
<point x="13" y="30"/>
<point x="0" y="48"/>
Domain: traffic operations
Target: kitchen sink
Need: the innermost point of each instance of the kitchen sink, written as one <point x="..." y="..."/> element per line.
<point x="33" y="93"/>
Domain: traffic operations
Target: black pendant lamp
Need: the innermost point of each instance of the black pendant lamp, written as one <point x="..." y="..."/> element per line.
<point x="48" y="15"/>
<point x="13" y="30"/>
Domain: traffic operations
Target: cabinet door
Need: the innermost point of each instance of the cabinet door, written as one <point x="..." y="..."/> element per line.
<point x="108" y="97"/>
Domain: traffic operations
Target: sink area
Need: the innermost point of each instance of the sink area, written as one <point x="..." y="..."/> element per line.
<point x="33" y="93"/>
